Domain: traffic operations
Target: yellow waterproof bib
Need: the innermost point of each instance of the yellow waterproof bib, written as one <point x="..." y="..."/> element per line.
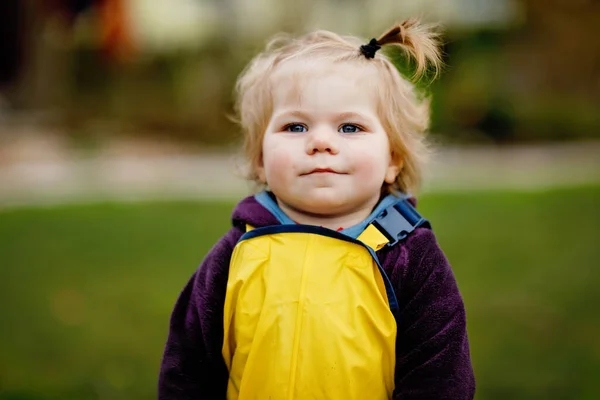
<point x="307" y="316"/>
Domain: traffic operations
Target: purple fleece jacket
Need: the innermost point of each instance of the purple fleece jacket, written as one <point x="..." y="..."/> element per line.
<point x="432" y="349"/>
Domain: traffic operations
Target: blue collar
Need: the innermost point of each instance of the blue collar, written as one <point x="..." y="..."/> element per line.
<point x="271" y="205"/>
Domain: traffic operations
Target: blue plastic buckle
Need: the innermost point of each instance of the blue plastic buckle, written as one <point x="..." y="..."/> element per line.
<point x="398" y="221"/>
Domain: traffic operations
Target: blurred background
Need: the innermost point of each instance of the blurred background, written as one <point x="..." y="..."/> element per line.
<point x="118" y="173"/>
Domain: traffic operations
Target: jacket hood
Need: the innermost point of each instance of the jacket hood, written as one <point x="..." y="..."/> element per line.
<point x="250" y="211"/>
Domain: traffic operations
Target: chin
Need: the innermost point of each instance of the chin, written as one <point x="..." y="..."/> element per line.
<point x="323" y="205"/>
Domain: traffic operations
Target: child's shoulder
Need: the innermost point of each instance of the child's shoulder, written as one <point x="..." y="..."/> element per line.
<point x="421" y="241"/>
<point x="247" y="212"/>
<point x="225" y="245"/>
<point x="419" y="254"/>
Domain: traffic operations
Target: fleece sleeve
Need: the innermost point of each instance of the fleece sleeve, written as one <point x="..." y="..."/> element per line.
<point x="432" y="348"/>
<point x="192" y="365"/>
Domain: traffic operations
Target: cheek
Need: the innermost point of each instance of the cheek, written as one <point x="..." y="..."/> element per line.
<point x="277" y="161"/>
<point x="371" y="165"/>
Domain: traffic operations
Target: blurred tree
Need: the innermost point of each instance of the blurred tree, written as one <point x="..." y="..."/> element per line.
<point x="558" y="48"/>
<point x="555" y="68"/>
<point x="11" y="41"/>
<point x="115" y="37"/>
<point x="536" y="79"/>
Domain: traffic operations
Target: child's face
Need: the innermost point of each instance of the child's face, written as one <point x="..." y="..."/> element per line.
<point x="325" y="152"/>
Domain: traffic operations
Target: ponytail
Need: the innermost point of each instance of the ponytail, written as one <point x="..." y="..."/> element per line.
<point x="419" y="41"/>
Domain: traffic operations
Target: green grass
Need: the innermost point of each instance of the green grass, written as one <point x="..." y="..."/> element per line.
<point x="86" y="291"/>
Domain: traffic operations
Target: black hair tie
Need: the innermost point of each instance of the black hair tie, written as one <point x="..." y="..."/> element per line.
<point x="370" y="49"/>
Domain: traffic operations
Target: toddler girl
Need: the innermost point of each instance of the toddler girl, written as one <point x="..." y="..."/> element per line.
<point x="329" y="285"/>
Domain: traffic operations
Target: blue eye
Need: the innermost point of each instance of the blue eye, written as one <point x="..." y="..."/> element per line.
<point x="349" y="128"/>
<point x="296" y="128"/>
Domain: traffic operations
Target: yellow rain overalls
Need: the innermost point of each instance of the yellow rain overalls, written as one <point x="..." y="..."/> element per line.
<point x="309" y="312"/>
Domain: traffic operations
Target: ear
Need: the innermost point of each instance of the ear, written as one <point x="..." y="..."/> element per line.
<point x="393" y="169"/>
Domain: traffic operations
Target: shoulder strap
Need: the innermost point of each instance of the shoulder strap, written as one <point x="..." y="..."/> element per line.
<point x="392" y="225"/>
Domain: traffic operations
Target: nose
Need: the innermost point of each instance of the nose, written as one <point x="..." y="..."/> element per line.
<point x="322" y="140"/>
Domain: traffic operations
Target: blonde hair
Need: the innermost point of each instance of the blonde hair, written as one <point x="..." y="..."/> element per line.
<point x="403" y="114"/>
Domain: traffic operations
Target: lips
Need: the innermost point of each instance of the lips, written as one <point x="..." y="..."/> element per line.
<point x="322" y="171"/>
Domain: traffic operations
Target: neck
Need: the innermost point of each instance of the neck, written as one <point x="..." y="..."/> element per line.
<point x="330" y="221"/>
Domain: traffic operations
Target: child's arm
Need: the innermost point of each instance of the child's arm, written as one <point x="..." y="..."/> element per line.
<point x="192" y="365"/>
<point x="432" y="349"/>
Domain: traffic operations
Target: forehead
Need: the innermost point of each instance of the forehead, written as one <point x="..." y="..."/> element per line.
<point x="324" y="84"/>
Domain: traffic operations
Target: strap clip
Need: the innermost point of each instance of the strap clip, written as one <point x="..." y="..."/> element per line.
<point x="398" y="221"/>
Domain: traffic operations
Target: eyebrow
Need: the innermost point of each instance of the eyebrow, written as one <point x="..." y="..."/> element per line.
<point x="298" y="114"/>
<point x="341" y="116"/>
<point x="352" y="115"/>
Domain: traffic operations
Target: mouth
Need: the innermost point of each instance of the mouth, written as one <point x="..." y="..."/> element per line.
<point x="322" y="171"/>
